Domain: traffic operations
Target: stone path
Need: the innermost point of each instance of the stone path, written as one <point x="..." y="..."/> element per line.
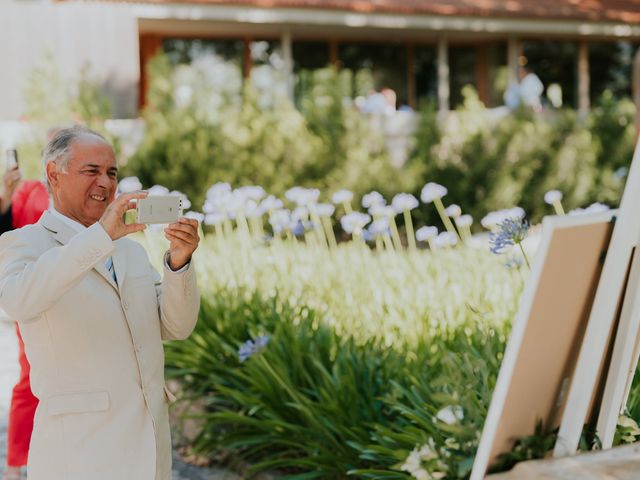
<point x="8" y="377"/>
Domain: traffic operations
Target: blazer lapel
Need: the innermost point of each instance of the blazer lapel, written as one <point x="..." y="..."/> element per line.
<point x="119" y="264"/>
<point x="63" y="233"/>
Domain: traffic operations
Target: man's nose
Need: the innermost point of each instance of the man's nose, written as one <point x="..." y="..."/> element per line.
<point x="104" y="180"/>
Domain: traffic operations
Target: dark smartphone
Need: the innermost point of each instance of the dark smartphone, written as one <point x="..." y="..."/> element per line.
<point x="12" y="159"/>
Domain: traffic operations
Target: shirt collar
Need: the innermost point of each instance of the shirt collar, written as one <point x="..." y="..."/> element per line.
<point x="78" y="227"/>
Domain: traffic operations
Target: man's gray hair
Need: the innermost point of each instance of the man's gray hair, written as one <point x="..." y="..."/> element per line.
<point x="58" y="149"/>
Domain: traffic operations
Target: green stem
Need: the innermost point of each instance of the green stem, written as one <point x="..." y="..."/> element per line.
<point x="526" y="259"/>
<point x="411" y="238"/>
<point x="445" y="218"/>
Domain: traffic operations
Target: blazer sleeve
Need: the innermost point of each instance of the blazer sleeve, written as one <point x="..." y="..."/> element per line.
<point x="178" y="301"/>
<point x="33" y="277"/>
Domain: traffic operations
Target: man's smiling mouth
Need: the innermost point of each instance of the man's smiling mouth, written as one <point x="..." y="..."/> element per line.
<point x="98" y="198"/>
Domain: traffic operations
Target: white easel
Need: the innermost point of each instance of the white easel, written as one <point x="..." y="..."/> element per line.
<point x="612" y="291"/>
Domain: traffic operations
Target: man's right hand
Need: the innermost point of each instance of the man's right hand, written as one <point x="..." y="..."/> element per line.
<point x="112" y="219"/>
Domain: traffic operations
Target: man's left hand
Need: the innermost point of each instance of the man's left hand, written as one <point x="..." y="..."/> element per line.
<point x="183" y="237"/>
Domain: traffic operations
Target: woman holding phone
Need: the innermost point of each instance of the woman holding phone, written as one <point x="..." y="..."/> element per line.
<point x="21" y="203"/>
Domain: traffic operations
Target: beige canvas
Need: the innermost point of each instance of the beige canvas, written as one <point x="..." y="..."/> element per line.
<point x="543" y="348"/>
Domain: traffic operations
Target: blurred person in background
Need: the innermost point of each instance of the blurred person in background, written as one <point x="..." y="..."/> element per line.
<point x="22" y="204"/>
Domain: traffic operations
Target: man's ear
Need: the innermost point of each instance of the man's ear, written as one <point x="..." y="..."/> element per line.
<point x="52" y="173"/>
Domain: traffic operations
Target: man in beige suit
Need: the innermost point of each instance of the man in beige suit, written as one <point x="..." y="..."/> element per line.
<point x="93" y="314"/>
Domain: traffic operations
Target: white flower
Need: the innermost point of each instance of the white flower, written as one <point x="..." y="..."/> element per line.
<point x="158" y="190"/>
<point x="453" y="211"/>
<point x="372" y="199"/>
<point x="425" y="233"/>
<point x="252" y="209"/>
<point x="464" y="221"/>
<point x="195" y="216"/>
<point x="597" y="207"/>
<point x="251" y="192"/>
<point x="220" y="188"/>
<point x="445" y="239"/>
<point x="186" y="204"/>
<point x="280" y="219"/>
<point x="403" y="202"/>
<point x="324" y="209"/>
<point x="214" y="218"/>
<point x="129" y="184"/>
<point x="382" y="211"/>
<point x="432" y="191"/>
<point x="493" y="219"/>
<point x="271" y="203"/>
<point x="342" y="196"/>
<point x="450" y="414"/>
<point x="379" y="227"/>
<point x="552" y="196"/>
<point x="302" y="196"/>
<point x="593" y="208"/>
<point x="300" y="213"/>
<point x="354" y="222"/>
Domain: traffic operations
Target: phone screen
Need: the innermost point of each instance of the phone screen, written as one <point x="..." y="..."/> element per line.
<point x="12" y="159"/>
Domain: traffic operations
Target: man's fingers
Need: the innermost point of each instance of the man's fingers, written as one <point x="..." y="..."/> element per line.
<point x="184" y="236"/>
<point x="135" y="227"/>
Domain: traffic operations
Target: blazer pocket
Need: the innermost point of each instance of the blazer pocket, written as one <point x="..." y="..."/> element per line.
<point x="81" y="402"/>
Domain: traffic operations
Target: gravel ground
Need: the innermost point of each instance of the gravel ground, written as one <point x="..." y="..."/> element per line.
<point x="8" y="377"/>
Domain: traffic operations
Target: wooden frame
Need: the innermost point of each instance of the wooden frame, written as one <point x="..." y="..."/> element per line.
<point x="542" y="350"/>
<point x="604" y="315"/>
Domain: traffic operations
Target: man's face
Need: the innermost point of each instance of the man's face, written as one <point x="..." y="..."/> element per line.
<point x="83" y="192"/>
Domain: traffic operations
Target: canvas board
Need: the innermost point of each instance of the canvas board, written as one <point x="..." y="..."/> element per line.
<point x="543" y="346"/>
<point x="604" y="314"/>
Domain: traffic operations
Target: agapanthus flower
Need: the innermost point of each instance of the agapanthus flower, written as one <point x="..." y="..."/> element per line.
<point x="300" y="213"/>
<point x="493" y="219"/>
<point x="129" y="184"/>
<point x="354" y="222"/>
<point x="453" y="211"/>
<point x="251" y="192"/>
<point x="195" y="216"/>
<point x="379" y="227"/>
<point x="279" y="219"/>
<point x="445" y="239"/>
<point x="186" y="203"/>
<point x="553" y="196"/>
<point x="250" y="348"/>
<point x="220" y="188"/>
<point x="342" y="196"/>
<point x="214" y="218"/>
<point x="302" y="196"/>
<point x="324" y="209"/>
<point x="252" y="209"/>
<point x="464" y="221"/>
<point x="423" y="234"/>
<point x="512" y="231"/>
<point x="372" y="199"/>
<point x="271" y="203"/>
<point x="431" y="191"/>
<point x="158" y="190"/>
<point x="403" y="202"/>
<point x="382" y="211"/>
<point x="593" y="208"/>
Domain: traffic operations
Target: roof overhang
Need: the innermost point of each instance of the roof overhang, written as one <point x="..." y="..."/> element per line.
<point x="225" y="19"/>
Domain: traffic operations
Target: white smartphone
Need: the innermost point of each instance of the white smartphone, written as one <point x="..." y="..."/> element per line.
<point x="12" y="159"/>
<point x="159" y="209"/>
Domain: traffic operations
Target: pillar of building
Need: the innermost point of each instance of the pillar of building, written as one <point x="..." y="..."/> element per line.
<point x="411" y="76"/>
<point x="150" y="44"/>
<point x="482" y="74"/>
<point x="583" y="78"/>
<point x="443" y="75"/>
<point x="288" y="61"/>
<point x="513" y="53"/>
<point x="247" y="61"/>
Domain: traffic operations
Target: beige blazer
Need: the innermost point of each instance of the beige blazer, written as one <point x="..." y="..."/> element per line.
<point x="95" y="349"/>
